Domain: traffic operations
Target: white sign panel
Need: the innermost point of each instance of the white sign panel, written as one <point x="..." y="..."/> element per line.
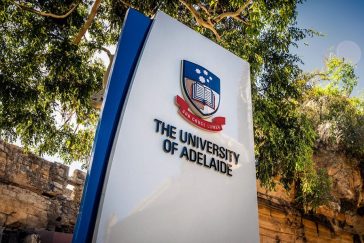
<point x="182" y="167"/>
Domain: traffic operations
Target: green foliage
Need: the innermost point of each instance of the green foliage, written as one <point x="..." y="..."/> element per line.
<point x="46" y="81"/>
<point x="338" y="124"/>
<point x="313" y="189"/>
<point x="338" y="119"/>
<point x="341" y="73"/>
<point x="284" y="141"/>
<point x="283" y="137"/>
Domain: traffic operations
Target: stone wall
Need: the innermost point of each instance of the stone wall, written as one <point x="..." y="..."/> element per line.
<point x="279" y="221"/>
<point x="342" y="220"/>
<point x="36" y="194"/>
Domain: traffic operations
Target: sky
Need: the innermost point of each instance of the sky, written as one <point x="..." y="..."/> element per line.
<point x="342" y="24"/>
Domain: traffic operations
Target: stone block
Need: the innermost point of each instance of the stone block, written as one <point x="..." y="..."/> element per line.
<point x="2" y="145"/>
<point x="26" y="198"/>
<point x="9" y="193"/>
<point x="17" y="219"/>
<point x="3" y="162"/>
<point x="2" y="218"/>
<point x="59" y="172"/>
<point x="32" y="238"/>
<point x="34" y="221"/>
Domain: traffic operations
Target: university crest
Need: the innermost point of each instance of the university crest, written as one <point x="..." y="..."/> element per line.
<point x="201" y="90"/>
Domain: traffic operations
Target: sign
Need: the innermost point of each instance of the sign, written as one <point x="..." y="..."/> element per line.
<point x="180" y="165"/>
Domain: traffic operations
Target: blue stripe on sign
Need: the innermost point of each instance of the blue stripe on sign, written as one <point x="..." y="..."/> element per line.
<point x="134" y="32"/>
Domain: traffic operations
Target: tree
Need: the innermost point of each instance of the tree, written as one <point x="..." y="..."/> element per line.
<point x="337" y="118"/>
<point x="337" y="121"/>
<point x="48" y="71"/>
<point x="45" y="77"/>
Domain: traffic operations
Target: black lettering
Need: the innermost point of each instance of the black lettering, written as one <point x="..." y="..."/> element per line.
<point x="197" y="143"/>
<point x="157" y="124"/>
<point x="204" y="162"/>
<point x="192" y="139"/>
<point x="222" y="152"/>
<point x="184" y="153"/>
<point x="199" y="158"/>
<point x="167" y="145"/>
<point x="213" y="164"/>
<point x="193" y="155"/>
<point x="209" y="147"/>
<point x="173" y="132"/>
<point x="165" y="129"/>
<point x="182" y="136"/>
<point x="229" y="171"/>
<point x="223" y="167"/>
<point x="203" y="144"/>
<point x="215" y="149"/>
<point x="174" y="147"/>
<point x="231" y="156"/>
<point x="236" y="156"/>
<point x="226" y="154"/>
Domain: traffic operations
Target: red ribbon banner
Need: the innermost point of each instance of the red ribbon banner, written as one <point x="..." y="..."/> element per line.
<point x="215" y="125"/>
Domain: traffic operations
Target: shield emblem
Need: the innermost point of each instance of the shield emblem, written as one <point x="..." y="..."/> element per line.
<point x="201" y="89"/>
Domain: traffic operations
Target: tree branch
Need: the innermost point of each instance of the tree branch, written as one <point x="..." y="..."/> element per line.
<point x="148" y="13"/>
<point x="209" y="22"/>
<point x="204" y="9"/>
<point x="106" y="74"/>
<point x="239" y="18"/>
<point x="108" y="52"/>
<point x="67" y="120"/>
<point x="46" y="14"/>
<point x="98" y="98"/>
<point x="233" y="14"/>
<point x="88" y="22"/>
<point x="207" y="13"/>
<point x="200" y="20"/>
<point x="75" y="131"/>
<point x="128" y="4"/>
<point x="321" y="75"/>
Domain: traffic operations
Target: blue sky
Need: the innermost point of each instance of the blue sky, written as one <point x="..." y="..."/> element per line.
<point x="342" y="23"/>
